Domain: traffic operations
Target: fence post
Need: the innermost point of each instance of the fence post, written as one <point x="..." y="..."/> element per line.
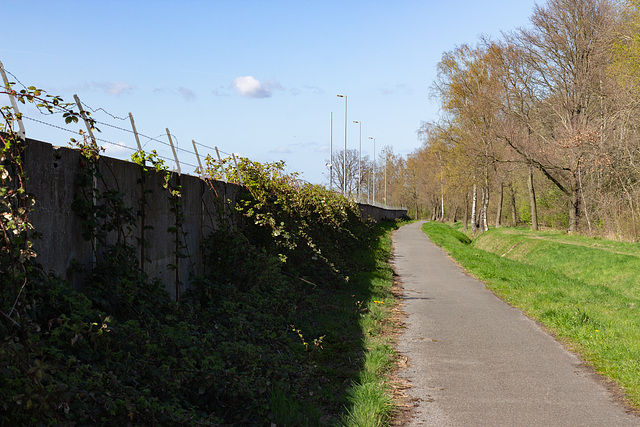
<point x="86" y="121"/>
<point x="135" y="132"/>
<point x="177" y="243"/>
<point x="94" y="179"/>
<point x="237" y="169"/>
<point x="175" y="156"/>
<point x="198" y="157"/>
<point x="14" y="105"/>
<point x="226" y="178"/>
<point x="143" y="201"/>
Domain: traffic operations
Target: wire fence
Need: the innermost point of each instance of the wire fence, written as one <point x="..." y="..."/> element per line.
<point x="114" y="130"/>
<point x="117" y="135"/>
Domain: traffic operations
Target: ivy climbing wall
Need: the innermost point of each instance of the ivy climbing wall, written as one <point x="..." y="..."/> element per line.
<point x="128" y="205"/>
<point x="53" y="178"/>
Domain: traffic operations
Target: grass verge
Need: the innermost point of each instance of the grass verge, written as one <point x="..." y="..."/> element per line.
<point x="369" y="398"/>
<point x="583" y="290"/>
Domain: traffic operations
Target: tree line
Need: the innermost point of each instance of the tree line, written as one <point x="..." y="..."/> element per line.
<point x="540" y="127"/>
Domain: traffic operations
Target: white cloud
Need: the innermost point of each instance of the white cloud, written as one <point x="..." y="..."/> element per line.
<point x="184" y="92"/>
<point x="315" y="90"/>
<point x="250" y="87"/>
<point x="281" y="150"/>
<point x="221" y="91"/>
<point x="187" y="94"/>
<point x="301" y="147"/>
<point x="399" y="88"/>
<point x="111" y="88"/>
<point x="118" y="88"/>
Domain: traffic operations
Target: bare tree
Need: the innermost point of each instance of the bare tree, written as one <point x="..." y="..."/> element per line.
<point x="561" y="62"/>
<point x="353" y="182"/>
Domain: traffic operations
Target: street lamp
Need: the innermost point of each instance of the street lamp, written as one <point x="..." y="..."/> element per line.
<point x="374" y="170"/>
<point x="344" y="160"/>
<point x="386" y="166"/>
<point x="359" y="159"/>
<point x="331" y="152"/>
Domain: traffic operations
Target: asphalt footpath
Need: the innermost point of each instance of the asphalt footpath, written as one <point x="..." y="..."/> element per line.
<point x="474" y="360"/>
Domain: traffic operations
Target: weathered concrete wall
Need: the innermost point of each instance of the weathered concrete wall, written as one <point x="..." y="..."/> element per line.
<point x="52" y="173"/>
<point x="377" y="213"/>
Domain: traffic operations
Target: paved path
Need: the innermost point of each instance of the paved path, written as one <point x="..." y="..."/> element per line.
<point x="473" y="360"/>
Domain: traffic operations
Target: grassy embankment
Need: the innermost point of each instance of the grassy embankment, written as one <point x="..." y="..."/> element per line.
<point x="370" y="402"/>
<point x="367" y="400"/>
<point x="584" y="290"/>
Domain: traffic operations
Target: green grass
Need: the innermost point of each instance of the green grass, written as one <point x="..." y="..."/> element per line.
<point x="370" y="401"/>
<point x="582" y="289"/>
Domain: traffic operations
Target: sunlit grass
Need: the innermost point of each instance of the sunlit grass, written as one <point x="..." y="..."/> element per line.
<point x="584" y="290"/>
<point x="370" y="401"/>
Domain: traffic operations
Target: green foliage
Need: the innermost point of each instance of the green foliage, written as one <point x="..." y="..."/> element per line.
<point x="279" y="282"/>
<point x="305" y="225"/>
<point x="552" y="207"/>
<point x="271" y="332"/>
<point x="369" y="397"/>
<point x="268" y="333"/>
<point x="16" y="230"/>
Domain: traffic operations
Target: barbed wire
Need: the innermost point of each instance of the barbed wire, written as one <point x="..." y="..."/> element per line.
<point x="49" y="124"/>
<point x="213" y="148"/>
<point x="117" y="144"/>
<point x="122" y="145"/>
<point x="15" y="77"/>
<point x="114" y="127"/>
<point x="103" y="110"/>
<point x="68" y="107"/>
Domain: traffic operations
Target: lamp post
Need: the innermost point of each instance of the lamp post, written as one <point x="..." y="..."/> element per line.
<point x="331" y="151"/>
<point x="359" y="159"/>
<point x="374" y="170"/>
<point x="386" y="166"/>
<point x="344" y="160"/>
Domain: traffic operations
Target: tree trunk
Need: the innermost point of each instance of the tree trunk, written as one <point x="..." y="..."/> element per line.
<point x="474" y="204"/>
<point x="500" y="199"/>
<point x="574" y="210"/>
<point x="442" y="202"/>
<point x="484" y="212"/>
<point x="485" y="208"/>
<point x="584" y="201"/>
<point x="532" y="201"/>
<point x="514" y="213"/>
<point x="466" y="211"/>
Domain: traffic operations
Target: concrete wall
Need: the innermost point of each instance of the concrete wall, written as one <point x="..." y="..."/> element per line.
<point x="378" y="213"/>
<point x="51" y="177"/>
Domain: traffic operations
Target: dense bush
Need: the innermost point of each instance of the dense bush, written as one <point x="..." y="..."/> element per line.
<point x="245" y="345"/>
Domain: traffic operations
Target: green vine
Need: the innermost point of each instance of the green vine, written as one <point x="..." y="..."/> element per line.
<point x="301" y="223"/>
<point x="175" y="202"/>
<point x="251" y="342"/>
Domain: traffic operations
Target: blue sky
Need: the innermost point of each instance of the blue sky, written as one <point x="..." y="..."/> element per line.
<point x="258" y="78"/>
